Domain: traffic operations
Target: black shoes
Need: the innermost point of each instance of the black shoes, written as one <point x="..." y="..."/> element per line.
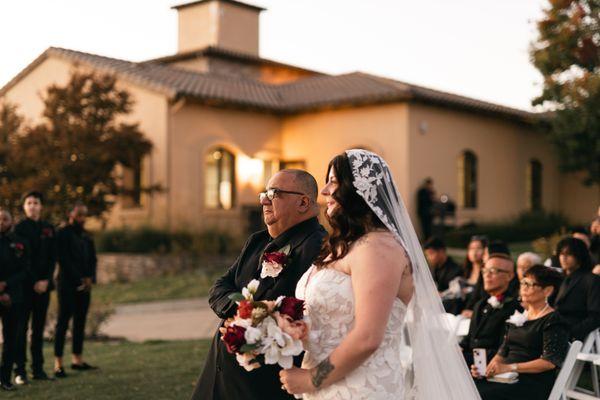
<point x="41" y="376"/>
<point x="7" y="386"/>
<point x="60" y="373"/>
<point x="83" y="367"/>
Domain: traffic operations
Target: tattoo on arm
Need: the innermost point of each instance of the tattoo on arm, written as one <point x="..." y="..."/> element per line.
<point x="321" y="373"/>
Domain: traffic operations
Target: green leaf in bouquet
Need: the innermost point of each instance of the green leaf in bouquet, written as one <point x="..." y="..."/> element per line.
<point x="236" y="297"/>
<point x="248" y="347"/>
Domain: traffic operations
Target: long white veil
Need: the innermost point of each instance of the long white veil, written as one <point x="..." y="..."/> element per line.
<point x="439" y="370"/>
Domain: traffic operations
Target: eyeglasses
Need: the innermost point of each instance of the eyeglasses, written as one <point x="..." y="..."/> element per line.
<point x="493" y="271"/>
<point x="529" y="285"/>
<point x="272" y="193"/>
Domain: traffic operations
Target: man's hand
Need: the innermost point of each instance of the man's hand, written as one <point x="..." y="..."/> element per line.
<point x="41" y="286"/>
<point x="87" y="282"/>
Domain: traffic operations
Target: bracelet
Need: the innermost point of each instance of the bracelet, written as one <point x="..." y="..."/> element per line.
<point x="514" y="367"/>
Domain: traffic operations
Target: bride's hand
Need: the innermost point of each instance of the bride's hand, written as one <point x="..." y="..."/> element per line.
<point x="296" y="380"/>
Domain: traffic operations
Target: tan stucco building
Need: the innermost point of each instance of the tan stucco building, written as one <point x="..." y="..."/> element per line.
<point x="222" y="120"/>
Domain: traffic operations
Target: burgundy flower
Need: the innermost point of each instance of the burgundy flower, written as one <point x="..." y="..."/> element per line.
<point x="234" y="338"/>
<point x="245" y="309"/>
<point x="292" y="307"/>
<point x="19" y="246"/>
<point x="500" y="297"/>
<point x="275" y="257"/>
<point x="46" y="232"/>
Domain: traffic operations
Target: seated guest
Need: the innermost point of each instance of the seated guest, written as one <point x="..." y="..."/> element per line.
<point x="489" y="315"/>
<point x="578" y="299"/>
<point x="473" y="266"/>
<point x="494" y="247"/>
<point x="535" y="344"/>
<point x="595" y="243"/>
<point x="443" y="267"/>
<point x="525" y="261"/>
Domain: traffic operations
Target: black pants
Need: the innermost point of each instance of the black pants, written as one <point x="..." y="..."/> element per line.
<point x="71" y="304"/>
<point x="426" y="222"/>
<point x="10" y="321"/>
<point x="530" y="387"/>
<point x="35" y="307"/>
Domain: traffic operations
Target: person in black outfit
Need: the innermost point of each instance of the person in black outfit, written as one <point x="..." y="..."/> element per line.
<point x="578" y="299"/>
<point x="290" y="212"/>
<point x="76" y="274"/>
<point x="487" y="326"/>
<point x="14" y="268"/>
<point x="533" y="347"/>
<point x="425" y="201"/>
<point x="444" y="269"/>
<point x="595" y="243"/>
<point x="42" y="241"/>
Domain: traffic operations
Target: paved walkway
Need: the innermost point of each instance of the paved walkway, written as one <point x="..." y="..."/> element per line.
<point x="164" y="320"/>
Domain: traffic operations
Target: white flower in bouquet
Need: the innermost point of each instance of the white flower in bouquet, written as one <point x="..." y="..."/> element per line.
<point x="518" y="319"/>
<point x="245" y="361"/>
<point x="249" y="291"/>
<point x="277" y="346"/>
<point x="252" y="335"/>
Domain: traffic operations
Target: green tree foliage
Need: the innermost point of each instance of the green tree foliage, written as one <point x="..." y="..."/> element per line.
<point x="72" y="154"/>
<point x="567" y="53"/>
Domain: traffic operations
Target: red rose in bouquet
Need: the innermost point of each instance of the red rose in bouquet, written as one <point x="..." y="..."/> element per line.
<point x="292" y="307"/>
<point x="234" y="338"/>
<point x="245" y="309"/>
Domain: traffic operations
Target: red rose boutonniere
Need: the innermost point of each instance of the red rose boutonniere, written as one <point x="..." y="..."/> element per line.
<point x="19" y="248"/>
<point x="47" y="233"/>
<point x="274" y="262"/>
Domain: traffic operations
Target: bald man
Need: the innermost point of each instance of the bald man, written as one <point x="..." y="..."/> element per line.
<point x="290" y="212"/>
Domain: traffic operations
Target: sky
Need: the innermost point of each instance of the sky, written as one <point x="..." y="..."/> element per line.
<point x="475" y="48"/>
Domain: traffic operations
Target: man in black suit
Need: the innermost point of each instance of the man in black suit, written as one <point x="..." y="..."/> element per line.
<point x="490" y="314"/>
<point x="443" y="267"/>
<point x="42" y="243"/>
<point x="425" y="201"/>
<point x="76" y="274"/>
<point x="578" y="299"/>
<point x="290" y="212"/>
<point x="14" y="268"/>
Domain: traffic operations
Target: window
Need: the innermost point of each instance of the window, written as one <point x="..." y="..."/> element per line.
<point x="219" y="184"/>
<point x="534" y="185"/>
<point x="467" y="179"/>
<point x="132" y="185"/>
<point x="292" y="164"/>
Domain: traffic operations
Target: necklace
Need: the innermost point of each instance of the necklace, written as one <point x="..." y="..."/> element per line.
<point x="539" y="313"/>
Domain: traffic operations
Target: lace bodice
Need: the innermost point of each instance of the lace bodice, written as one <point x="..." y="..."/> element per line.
<point x="329" y="301"/>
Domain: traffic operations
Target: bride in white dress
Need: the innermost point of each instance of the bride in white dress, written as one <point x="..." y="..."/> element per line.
<point x="368" y="284"/>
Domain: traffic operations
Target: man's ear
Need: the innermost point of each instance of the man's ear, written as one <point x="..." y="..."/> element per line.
<point x="304" y="204"/>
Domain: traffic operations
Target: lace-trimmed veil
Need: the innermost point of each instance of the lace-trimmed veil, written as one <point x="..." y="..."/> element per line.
<point x="438" y="367"/>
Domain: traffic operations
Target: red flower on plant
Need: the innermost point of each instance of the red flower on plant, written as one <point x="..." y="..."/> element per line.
<point x="245" y="309"/>
<point x="234" y="338"/>
<point x="275" y="257"/>
<point x="292" y="307"/>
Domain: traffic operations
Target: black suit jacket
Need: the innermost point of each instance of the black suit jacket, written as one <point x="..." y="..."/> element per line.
<point x="578" y="303"/>
<point x="14" y="264"/>
<point x="41" y="237"/>
<point x="445" y="273"/>
<point x="222" y="377"/>
<point x="488" y="325"/>
<point x="76" y="256"/>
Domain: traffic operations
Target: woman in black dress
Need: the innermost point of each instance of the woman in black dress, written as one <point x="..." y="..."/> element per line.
<point x="536" y="343"/>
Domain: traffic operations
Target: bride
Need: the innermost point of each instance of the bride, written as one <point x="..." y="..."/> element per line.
<point x="368" y="294"/>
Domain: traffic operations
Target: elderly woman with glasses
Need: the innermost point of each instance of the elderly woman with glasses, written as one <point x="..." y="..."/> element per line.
<point x="535" y="344"/>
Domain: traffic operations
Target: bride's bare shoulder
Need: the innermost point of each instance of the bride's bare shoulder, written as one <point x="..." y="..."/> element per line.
<point x="381" y="243"/>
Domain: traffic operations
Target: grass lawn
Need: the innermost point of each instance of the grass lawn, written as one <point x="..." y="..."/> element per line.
<point x="184" y="285"/>
<point x="128" y="371"/>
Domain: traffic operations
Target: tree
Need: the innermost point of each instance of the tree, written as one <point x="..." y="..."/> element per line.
<point x="73" y="153"/>
<point x="10" y="127"/>
<point x="567" y="53"/>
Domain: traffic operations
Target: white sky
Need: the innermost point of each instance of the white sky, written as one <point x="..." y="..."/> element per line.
<point x="477" y="48"/>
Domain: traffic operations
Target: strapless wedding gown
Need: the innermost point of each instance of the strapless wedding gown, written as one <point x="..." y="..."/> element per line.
<point x="329" y="305"/>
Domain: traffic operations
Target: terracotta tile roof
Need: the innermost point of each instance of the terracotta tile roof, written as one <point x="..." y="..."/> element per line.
<point x="304" y="95"/>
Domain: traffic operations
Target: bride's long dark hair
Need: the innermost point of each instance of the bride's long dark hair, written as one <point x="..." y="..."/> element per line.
<point x="350" y="220"/>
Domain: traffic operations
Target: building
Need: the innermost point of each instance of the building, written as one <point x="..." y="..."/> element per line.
<point x="223" y="120"/>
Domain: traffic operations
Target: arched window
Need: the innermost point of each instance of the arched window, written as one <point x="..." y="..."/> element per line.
<point x="467" y="179"/>
<point x="219" y="183"/>
<point x="534" y="185"/>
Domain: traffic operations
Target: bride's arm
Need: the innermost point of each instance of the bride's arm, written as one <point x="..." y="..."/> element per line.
<point x="377" y="266"/>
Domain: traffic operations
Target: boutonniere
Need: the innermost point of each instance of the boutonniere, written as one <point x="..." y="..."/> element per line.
<point x="496" y="301"/>
<point x="19" y="248"/>
<point x="47" y="233"/>
<point x="274" y="262"/>
<point x="518" y="318"/>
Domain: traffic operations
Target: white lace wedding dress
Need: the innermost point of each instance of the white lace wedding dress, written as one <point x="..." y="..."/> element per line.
<point x="329" y="302"/>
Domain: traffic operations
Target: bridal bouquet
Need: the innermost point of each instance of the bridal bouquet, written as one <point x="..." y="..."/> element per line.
<point x="269" y="332"/>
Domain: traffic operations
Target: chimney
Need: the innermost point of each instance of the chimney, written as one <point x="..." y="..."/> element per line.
<point x="227" y="24"/>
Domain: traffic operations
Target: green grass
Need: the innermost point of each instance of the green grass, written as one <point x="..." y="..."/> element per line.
<point x="128" y="371"/>
<point x="184" y="285"/>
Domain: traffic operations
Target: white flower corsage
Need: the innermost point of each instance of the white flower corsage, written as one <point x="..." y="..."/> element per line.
<point x="518" y="318"/>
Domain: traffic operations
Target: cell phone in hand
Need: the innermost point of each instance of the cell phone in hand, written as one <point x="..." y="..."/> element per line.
<point x="480" y="360"/>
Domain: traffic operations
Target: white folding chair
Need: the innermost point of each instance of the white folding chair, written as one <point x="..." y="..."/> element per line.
<point x="589" y="353"/>
<point x="560" y="385"/>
